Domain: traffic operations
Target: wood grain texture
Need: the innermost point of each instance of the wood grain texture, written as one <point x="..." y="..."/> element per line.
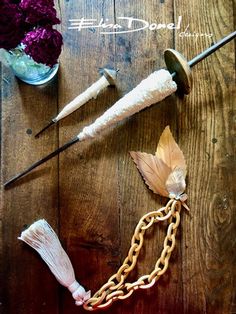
<point x="93" y="195"/>
<point x="89" y="209"/>
<point x="23" y="109"/>
<point x="207" y="135"/>
<point x="142" y="132"/>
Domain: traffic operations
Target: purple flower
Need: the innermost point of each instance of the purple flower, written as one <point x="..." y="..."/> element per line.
<point x="12" y="27"/>
<point x="39" y="12"/>
<point x="43" y="44"/>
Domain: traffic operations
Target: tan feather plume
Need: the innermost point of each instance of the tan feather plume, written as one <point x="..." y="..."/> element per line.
<point x="154" y="171"/>
<point x="164" y="172"/>
<point x="169" y="151"/>
<point x="175" y="183"/>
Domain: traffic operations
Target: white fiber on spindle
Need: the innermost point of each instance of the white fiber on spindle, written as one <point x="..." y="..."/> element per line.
<point x="91" y="92"/>
<point x="151" y="90"/>
<point x="41" y="237"/>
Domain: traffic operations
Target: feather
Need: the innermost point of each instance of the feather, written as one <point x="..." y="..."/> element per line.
<point x="175" y="183"/>
<point x="154" y="171"/>
<point x="169" y="152"/>
<point x="164" y="172"/>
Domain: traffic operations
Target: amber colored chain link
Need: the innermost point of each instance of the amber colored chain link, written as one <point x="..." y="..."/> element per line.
<point x="116" y="288"/>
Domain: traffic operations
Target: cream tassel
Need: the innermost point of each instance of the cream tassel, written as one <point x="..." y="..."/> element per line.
<point x="41" y="237"/>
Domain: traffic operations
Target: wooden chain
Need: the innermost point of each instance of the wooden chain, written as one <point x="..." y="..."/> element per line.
<point x="116" y="288"/>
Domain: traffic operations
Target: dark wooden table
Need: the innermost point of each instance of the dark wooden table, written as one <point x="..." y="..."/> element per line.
<point x="93" y="195"/>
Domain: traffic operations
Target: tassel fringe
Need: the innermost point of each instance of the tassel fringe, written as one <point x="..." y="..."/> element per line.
<point x="41" y="237"/>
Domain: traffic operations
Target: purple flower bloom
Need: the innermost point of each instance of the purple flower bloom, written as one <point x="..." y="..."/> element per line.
<point x="12" y="26"/>
<point x="39" y="12"/>
<point x="43" y="44"/>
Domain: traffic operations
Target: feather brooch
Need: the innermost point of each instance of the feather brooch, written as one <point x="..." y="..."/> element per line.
<point x="165" y="172"/>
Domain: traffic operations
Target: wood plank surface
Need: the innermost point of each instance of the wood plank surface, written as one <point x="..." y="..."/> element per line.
<point x="89" y="209"/>
<point x="93" y="195"/>
<point x="23" y="109"/>
<point x="207" y="135"/>
<point x="142" y="132"/>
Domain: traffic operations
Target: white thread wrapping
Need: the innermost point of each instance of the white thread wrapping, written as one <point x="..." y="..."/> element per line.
<point x="80" y="100"/>
<point x="151" y="90"/>
<point x="41" y="237"/>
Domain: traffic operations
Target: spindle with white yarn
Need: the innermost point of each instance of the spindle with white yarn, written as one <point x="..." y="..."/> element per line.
<point x="153" y="89"/>
<point x="156" y="87"/>
<point x="108" y="78"/>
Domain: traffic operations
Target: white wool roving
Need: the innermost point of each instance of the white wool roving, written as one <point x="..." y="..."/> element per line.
<point x="83" y="98"/>
<point x="41" y="237"/>
<point x="151" y="90"/>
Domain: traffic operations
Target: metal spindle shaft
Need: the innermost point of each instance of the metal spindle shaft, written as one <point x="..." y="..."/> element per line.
<point x="110" y="79"/>
<point x="211" y="49"/>
<point x="45" y="128"/>
<point x="191" y="63"/>
<point x="41" y="161"/>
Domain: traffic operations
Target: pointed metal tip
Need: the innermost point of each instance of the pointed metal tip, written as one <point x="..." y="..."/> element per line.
<point x="45" y="128"/>
<point x="8" y="183"/>
<point x="41" y="161"/>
